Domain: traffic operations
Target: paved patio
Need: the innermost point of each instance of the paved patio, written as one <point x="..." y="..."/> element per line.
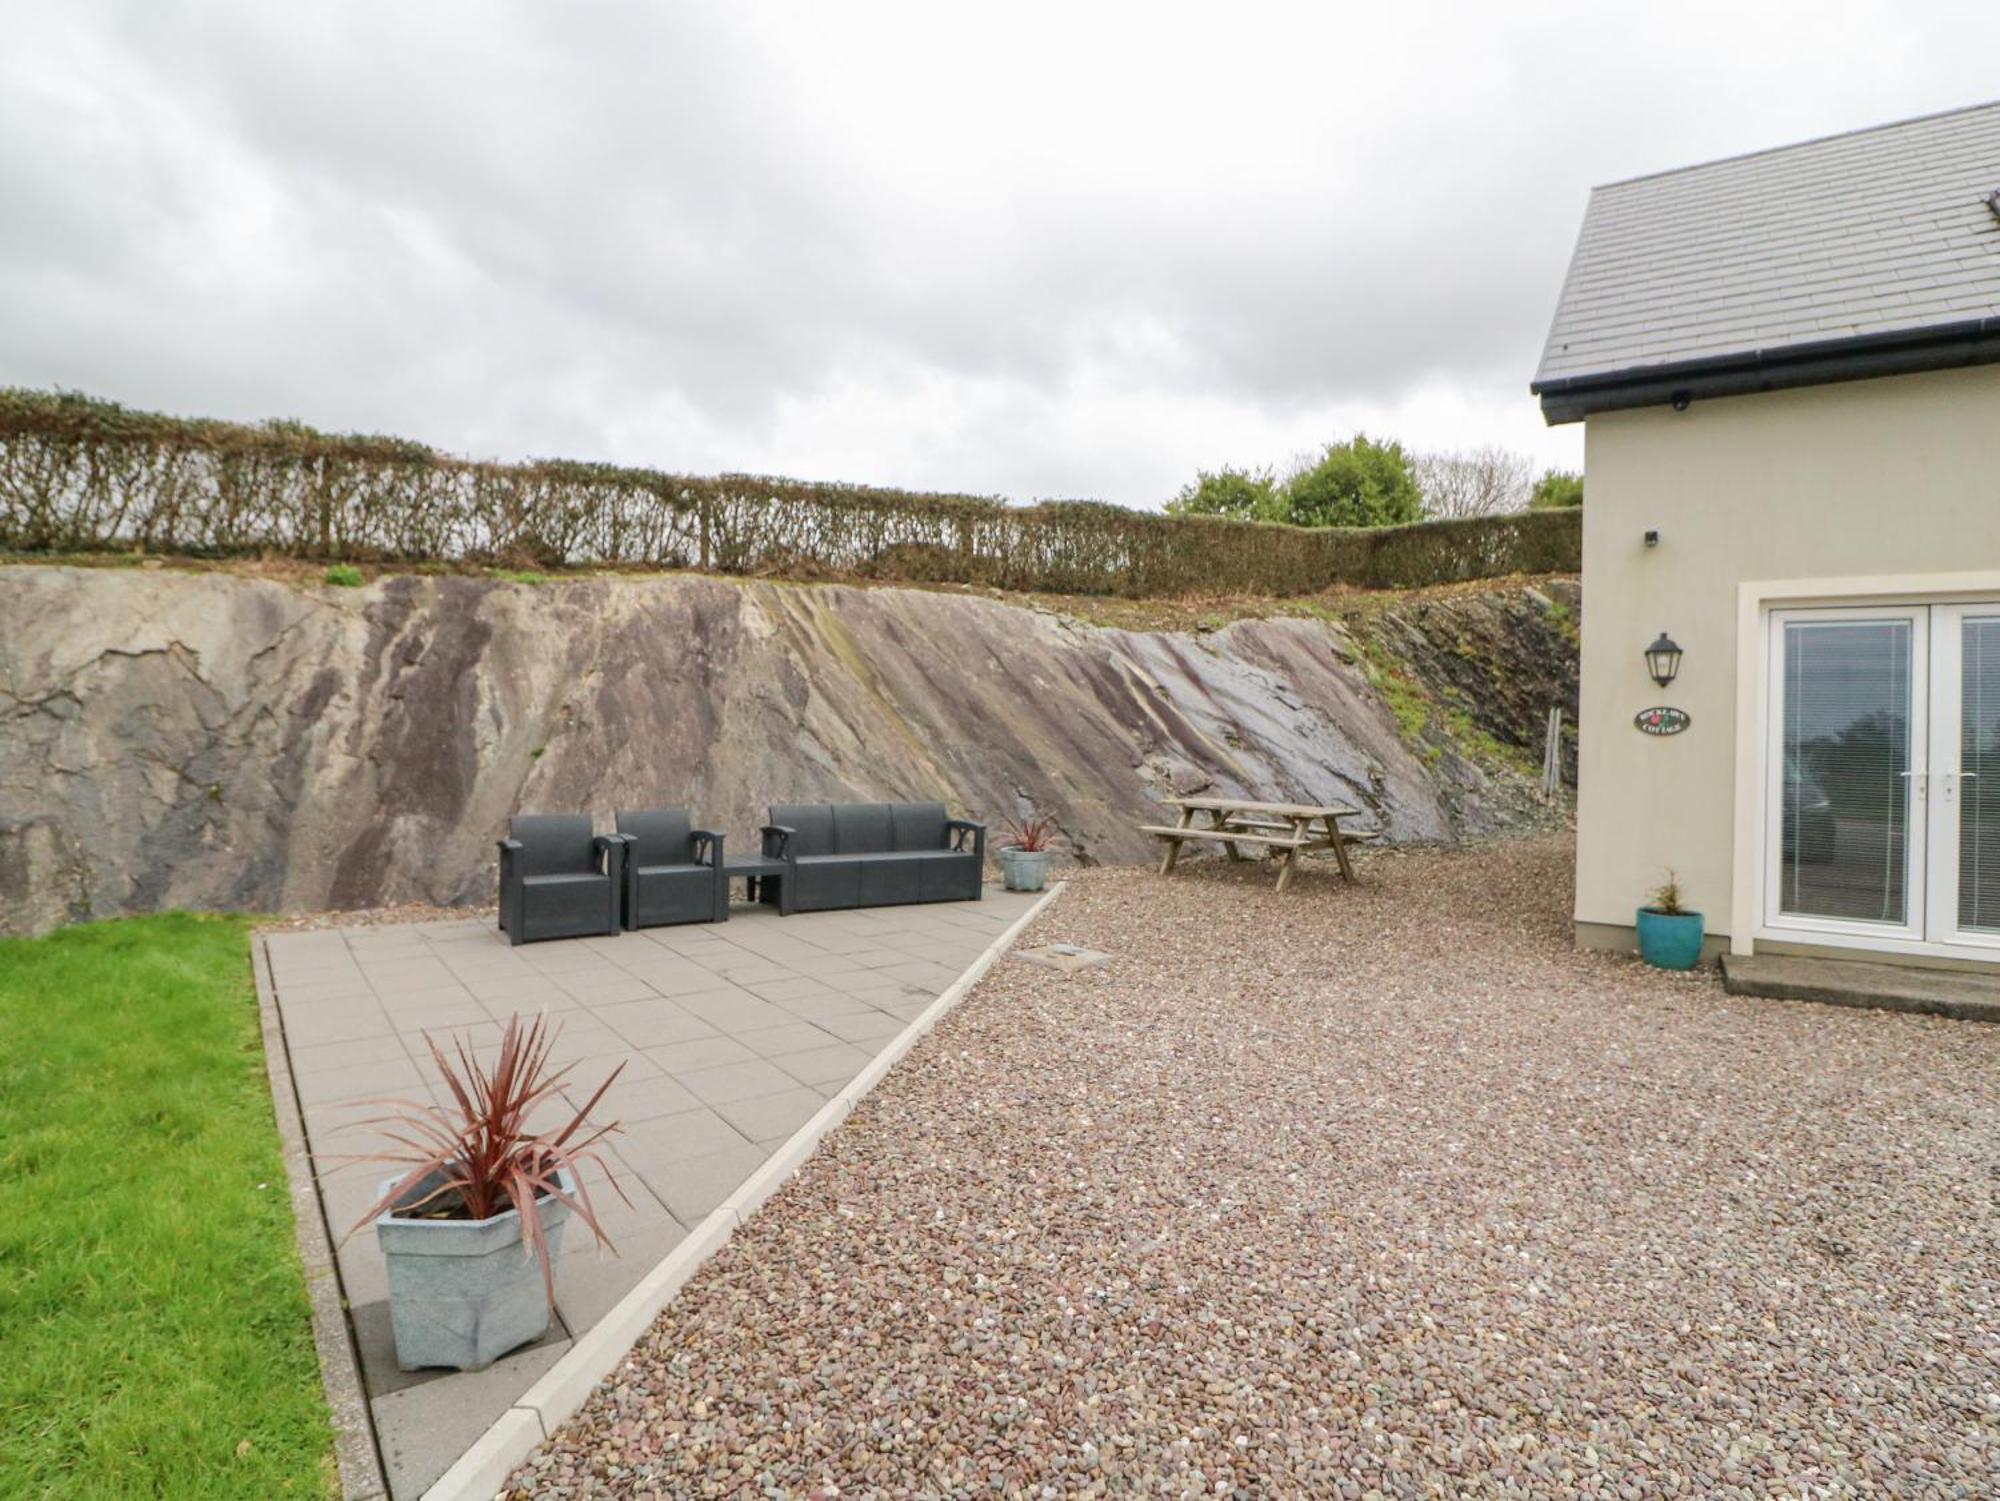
<point x="732" y="1036"/>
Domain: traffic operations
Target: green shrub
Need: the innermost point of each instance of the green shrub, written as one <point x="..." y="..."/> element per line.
<point x="1556" y="490"/>
<point x="1356" y="483"/>
<point x="1246" y="494"/>
<point x="344" y="576"/>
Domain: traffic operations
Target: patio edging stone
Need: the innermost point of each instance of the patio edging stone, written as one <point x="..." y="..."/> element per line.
<point x="479" y="1473"/>
<point x="356" y="1457"/>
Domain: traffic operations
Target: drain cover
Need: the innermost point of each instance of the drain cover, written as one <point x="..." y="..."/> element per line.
<point x="1067" y="957"/>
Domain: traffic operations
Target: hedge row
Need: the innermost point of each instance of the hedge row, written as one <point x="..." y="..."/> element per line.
<point x="83" y="475"/>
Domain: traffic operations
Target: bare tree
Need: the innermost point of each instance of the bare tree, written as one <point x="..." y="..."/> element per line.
<point x="1474" y="481"/>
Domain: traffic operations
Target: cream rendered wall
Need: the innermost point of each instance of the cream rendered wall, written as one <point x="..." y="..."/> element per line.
<point x="1899" y="475"/>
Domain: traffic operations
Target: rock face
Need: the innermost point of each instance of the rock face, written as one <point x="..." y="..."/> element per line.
<point x="221" y="740"/>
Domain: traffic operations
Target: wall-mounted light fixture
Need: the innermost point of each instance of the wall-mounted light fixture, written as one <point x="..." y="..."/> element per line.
<point x="1663" y="659"/>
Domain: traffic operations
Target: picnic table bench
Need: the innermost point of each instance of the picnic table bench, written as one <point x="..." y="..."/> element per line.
<point x="1279" y="829"/>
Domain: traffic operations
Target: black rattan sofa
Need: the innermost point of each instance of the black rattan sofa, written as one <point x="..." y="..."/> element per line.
<point x="871" y="855"/>
<point x="558" y="879"/>
<point x="673" y="871"/>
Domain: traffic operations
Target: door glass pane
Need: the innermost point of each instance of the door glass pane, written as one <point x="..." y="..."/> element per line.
<point x="1845" y="814"/>
<point x="1979" y="779"/>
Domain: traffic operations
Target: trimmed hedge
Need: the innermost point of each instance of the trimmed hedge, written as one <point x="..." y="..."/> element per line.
<point x="79" y="475"/>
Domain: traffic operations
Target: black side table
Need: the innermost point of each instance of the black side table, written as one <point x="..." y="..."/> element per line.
<point x="757" y="872"/>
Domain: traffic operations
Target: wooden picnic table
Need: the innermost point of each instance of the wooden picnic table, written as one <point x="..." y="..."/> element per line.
<point x="1282" y="829"/>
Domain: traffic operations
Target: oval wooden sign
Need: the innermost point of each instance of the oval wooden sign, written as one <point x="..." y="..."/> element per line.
<point x="1662" y="720"/>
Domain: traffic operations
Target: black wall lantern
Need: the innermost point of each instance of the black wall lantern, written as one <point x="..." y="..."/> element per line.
<point x="1663" y="659"/>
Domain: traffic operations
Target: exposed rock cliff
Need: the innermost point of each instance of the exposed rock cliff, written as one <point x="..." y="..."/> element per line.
<point x="174" y="738"/>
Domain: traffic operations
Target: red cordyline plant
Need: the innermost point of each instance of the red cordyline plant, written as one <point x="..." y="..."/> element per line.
<point x="1033" y="835"/>
<point x="481" y="1149"/>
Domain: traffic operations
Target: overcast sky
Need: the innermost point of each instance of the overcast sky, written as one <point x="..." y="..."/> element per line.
<point x="1066" y="251"/>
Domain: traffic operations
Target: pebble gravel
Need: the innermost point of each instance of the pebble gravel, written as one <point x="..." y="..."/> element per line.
<point x="1374" y="1191"/>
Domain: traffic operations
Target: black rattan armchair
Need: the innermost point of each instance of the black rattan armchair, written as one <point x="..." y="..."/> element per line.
<point x="673" y="872"/>
<point x="558" y="879"/>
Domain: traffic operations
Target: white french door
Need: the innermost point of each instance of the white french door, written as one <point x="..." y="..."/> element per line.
<point x="1883" y="775"/>
<point x="1964" y="782"/>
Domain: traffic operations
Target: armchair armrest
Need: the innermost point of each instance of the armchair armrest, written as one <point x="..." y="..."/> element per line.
<point x="777" y="841"/>
<point x="707" y="846"/>
<point x="960" y="827"/>
<point x="510" y="885"/>
<point x="610" y="850"/>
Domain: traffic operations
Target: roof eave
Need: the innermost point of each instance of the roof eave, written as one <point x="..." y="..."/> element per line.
<point x="1944" y="346"/>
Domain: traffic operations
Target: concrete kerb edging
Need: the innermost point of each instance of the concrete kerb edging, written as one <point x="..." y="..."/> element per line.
<point x="354" y="1451"/>
<point x="563" y="1388"/>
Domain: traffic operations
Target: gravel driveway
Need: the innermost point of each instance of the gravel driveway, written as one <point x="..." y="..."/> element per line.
<point x="1354" y="1192"/>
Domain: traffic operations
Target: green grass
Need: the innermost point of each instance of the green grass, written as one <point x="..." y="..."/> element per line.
<point x="344" y="576"/>
<point x="154" y="1327"/>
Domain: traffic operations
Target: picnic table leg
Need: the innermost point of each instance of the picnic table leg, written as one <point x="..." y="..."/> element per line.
<point x="1288" y="859"/>
<point x="1174" y="845"/>
<point x="1218" y="818"/>
<point x="1339" y="848"/>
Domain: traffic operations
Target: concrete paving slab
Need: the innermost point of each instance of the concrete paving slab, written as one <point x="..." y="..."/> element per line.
<point x="318" y="1057"/>
<point x="691" y="1188"/>
<point x="792" y="1037"/>
<point x="736" y="1081"/>
<point x="653" y="1022"/>
<point x="666" y="1140"/>
<point x="864" y="1026"/>
<point x="832" y="1064"/>
<point x="679" y="1058"/>
<point x="423" y="1429"/>
<point x="635" y="1097"/>
<point x="1959" y="994"/>
<point x="734" y="1011"/>
<point x="728" y="1039"/>
<point x="772" y="1117"/>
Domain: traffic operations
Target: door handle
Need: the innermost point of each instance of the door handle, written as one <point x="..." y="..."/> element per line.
<point x="1922" y="781"/>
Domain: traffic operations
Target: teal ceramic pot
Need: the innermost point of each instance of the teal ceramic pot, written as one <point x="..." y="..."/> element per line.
<point x="1669" y="940"/>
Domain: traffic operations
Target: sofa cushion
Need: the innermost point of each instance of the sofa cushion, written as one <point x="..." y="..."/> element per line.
<point x="553" y="843"/>
<point x="861" y="829"/>
<point x="826" y="881"/>
<point x="660" y="834"/>
<point x="891" y="880"/>
<point x="812" y="825"/>
<point x="918" y="826"/>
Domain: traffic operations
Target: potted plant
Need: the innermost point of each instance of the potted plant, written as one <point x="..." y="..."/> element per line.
<point x="1669" y="934"/>
<point x="1024" y="858"/>
<point x="472" y="1226"/>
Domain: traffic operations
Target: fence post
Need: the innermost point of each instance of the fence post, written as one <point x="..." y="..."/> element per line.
<point x="1552" y="755"/>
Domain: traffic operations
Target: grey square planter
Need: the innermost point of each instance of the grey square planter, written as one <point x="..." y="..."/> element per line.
<point x="462" y="1293"/>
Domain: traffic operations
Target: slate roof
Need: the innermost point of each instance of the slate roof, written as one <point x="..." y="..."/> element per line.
<point x="1853" y="237"/>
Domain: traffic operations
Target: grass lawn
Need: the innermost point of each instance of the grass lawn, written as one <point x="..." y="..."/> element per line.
<point x="154" y="1328"/>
